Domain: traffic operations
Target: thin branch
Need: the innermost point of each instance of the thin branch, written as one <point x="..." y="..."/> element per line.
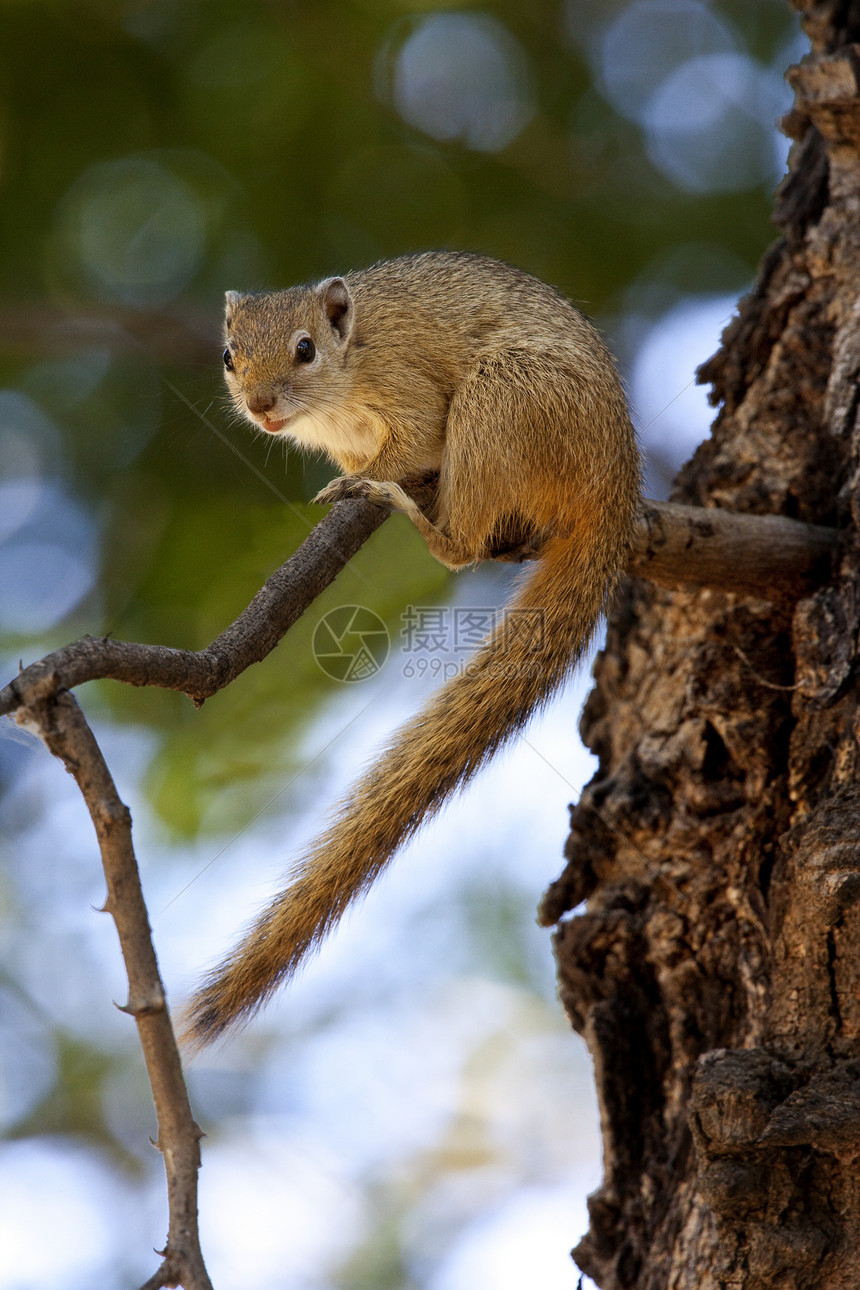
<point x="58" y="720"/>
<point x="249" y="639"/>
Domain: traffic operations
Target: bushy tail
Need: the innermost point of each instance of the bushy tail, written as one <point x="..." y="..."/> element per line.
<point x="540" y="640"/>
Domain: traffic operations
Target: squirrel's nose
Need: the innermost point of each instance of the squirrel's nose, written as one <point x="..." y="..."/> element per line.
<point x="260" y="403"/>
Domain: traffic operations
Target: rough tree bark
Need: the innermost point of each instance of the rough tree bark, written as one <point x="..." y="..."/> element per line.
<point x="715" y="969"/>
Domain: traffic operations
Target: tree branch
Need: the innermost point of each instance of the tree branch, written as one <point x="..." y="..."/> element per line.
<point x="678" y="546"/>
<point x="767" y="556"/>
<point x="58" y="720"/>
<point x="249" y="639"/>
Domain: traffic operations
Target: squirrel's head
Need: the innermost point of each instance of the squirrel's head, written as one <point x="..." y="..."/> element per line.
<point x="286" y="351"/>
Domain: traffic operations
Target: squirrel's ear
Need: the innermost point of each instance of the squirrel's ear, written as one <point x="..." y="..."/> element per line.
<point x="231" y="300"/>
<point x="337" y="303"/>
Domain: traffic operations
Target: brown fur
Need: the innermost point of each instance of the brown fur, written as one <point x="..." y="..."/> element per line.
<point x="460" y="365"/>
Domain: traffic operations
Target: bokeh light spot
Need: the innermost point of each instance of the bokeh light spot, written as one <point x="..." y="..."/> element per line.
<point x="463" y="76"/>
<point x="133" y="231"/>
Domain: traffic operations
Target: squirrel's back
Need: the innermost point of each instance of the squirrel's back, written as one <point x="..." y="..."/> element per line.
<point x="446" y="308"/>
<point x="476" y="295"/>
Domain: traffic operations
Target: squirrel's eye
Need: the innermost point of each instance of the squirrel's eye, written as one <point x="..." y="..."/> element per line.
<point x="305" y="350"/>
<point x="228" y="360"/>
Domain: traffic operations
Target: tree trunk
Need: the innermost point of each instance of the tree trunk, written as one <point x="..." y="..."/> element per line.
<point x="715" y="969"/>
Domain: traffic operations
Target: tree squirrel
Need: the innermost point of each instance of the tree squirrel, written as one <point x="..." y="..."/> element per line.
<point x="448" y="365"/>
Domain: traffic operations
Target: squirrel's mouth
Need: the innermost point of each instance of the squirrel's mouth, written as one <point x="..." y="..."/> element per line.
<point x="273" y="426"/>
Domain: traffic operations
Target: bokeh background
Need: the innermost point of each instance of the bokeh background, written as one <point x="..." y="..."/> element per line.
<point x="414" y="1113"/>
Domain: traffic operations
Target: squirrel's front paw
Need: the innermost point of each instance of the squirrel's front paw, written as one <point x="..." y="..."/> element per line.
<point x="371" y="490"/>
<point x="341" y="489"/>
